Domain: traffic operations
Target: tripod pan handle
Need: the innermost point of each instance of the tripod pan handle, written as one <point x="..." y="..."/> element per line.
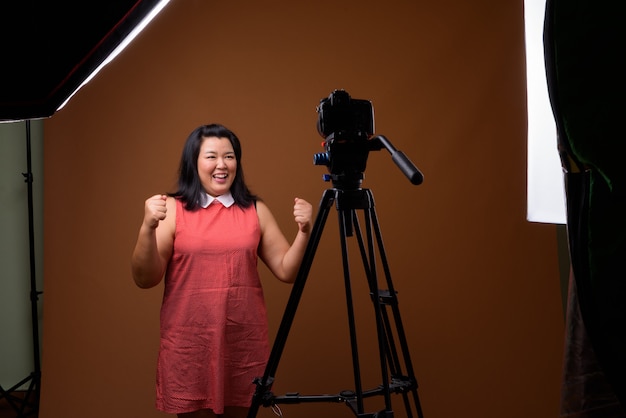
<point x="408" y="168"/>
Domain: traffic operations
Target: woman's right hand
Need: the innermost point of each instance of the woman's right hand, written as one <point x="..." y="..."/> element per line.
<point x="155" y="210"/>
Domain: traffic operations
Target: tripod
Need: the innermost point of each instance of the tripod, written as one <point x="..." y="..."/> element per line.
<point x="395" y="380"/>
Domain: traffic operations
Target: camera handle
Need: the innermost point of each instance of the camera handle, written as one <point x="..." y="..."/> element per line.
<point x="399" y="158"/>
<point x="395" y="380"/>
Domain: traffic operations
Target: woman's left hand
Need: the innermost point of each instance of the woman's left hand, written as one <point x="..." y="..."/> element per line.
<point x="302" y="212"/>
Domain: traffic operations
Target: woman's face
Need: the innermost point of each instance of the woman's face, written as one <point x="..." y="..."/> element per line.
<point x="217" y="165"/>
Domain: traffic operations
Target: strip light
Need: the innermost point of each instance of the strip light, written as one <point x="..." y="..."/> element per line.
<point x="125" y="42"/>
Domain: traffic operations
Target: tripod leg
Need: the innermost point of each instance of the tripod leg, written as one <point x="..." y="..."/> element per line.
<point x="262" y="394"/>
<point x="390" y="298"/>
<point x="382" y="299"/>
<point x="369" y="264"/>
<point x="345" y="229"/>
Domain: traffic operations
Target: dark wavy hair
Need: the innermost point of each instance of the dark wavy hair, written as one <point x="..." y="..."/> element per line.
<point x="189" y="186"/>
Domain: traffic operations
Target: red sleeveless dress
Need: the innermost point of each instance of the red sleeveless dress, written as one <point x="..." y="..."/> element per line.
<point x="214" y="333"/>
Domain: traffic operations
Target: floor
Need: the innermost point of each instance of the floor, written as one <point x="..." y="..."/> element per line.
<point x="12" y="409"/>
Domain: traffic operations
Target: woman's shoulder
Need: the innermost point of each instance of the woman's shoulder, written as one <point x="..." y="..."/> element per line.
<point x="170" y="202"/>
<point x="262" y="210"/>
<point x="264" y="214"/>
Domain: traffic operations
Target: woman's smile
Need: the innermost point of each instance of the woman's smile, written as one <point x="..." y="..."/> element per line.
<point x="217" y="165"/>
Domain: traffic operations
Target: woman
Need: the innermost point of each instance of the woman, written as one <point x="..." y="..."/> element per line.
<point x="204" y="240"/>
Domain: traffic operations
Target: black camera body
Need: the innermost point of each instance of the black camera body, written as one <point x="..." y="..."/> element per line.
<point x="345" y="117"/>
<point x="346" y="124"/>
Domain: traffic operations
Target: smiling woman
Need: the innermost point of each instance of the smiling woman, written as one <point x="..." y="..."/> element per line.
<point x="203" y="241"/>
<point x="217" y="165"/>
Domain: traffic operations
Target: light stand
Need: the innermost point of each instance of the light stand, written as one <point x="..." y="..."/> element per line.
<point x="28" y="405"/>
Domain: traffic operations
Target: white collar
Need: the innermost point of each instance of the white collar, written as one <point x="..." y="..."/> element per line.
<point x="225" y="199"/>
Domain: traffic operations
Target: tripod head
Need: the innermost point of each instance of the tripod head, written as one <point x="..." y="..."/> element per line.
<point x="347" y="126"/>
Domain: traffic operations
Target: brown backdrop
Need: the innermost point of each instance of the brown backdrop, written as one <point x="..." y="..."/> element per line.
<point x="478" y="284"/>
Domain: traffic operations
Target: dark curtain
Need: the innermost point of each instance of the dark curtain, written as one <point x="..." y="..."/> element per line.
<point x="585" y="54"/>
